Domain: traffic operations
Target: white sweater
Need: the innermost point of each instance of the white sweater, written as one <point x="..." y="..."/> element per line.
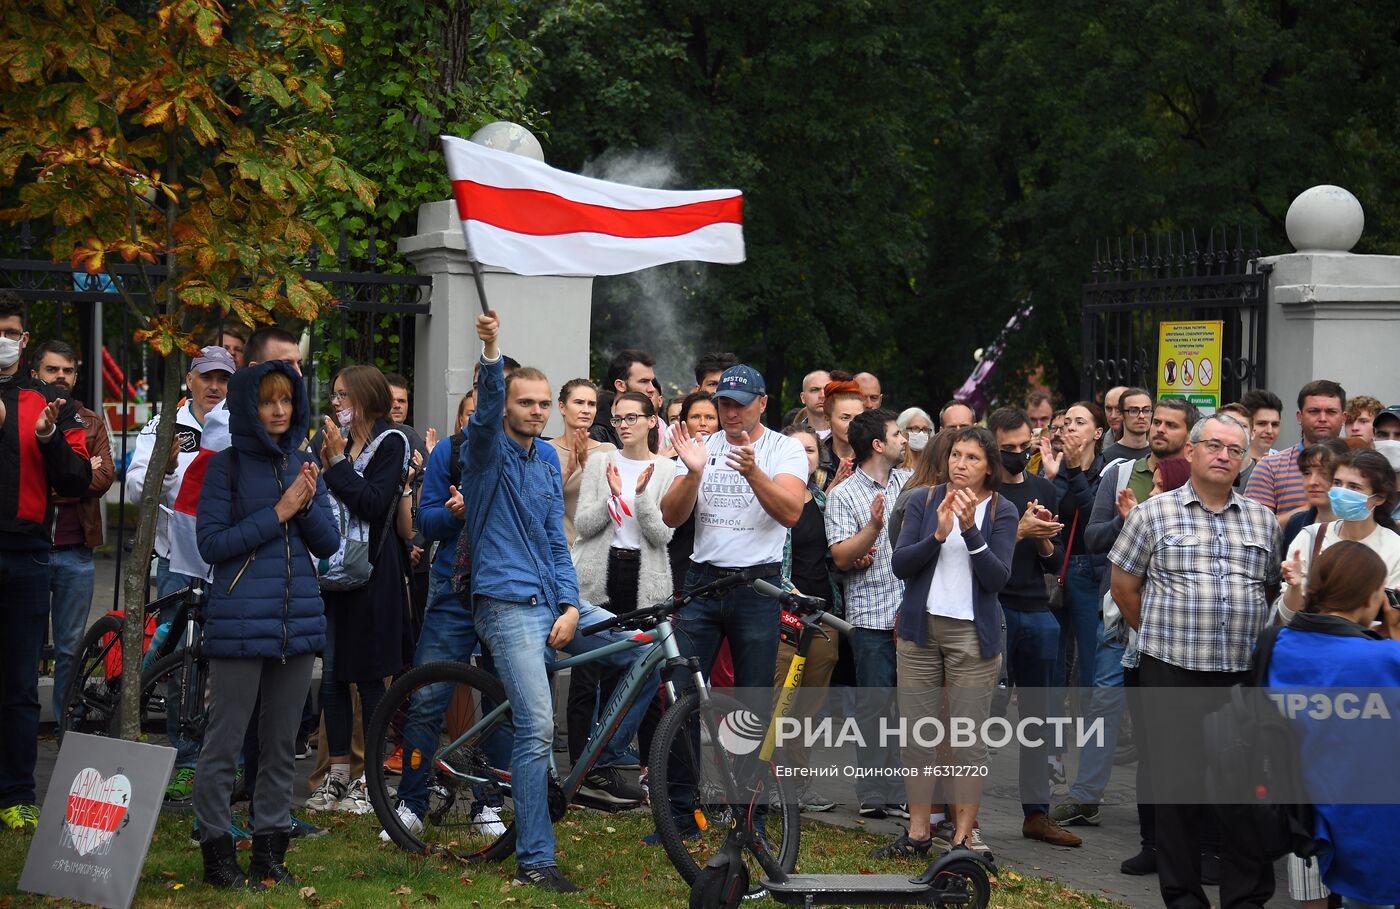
<point x="594" y="527"/>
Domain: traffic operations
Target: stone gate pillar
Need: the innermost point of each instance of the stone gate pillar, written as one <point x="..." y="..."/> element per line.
<point x="1333" y="314"/>
<point x="544" y="320"/>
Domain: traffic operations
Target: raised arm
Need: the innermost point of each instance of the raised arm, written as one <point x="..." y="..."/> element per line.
<point x="486" y="423"/>
<point x="435" y="520"/>
<point x="679" y="500"/>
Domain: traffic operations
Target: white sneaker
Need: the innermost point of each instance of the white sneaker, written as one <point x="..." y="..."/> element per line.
<point x="327" y="796"/>
<point x="356" y="800"/>
<point x="488" y="822"/>
<point x="975" y="842"/>
<point x="408" y="819"/>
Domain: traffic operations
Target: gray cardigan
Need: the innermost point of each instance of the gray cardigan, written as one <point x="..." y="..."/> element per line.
<point x="594" y="527"/>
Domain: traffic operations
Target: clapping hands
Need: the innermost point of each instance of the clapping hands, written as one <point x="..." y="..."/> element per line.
<point x="299" y="494"/>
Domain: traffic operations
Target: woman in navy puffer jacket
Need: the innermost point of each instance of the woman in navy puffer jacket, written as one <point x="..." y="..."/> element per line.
<point x="264" y="516"/>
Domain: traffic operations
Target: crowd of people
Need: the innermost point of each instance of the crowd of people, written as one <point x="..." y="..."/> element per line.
<point x="1121" y="544"/>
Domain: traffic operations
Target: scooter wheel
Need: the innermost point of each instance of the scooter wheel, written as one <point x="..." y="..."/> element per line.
<point x="962" y="883"/>
<point x="716" y="888"/>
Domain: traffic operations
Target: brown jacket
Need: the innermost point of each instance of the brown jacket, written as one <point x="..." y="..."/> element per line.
<point x="90" y="504"/>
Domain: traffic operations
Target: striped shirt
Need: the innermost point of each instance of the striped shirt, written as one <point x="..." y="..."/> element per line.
<point x="1276" y="483"/>
<point x="1205" y="575"/>
<point x="872" y="594"/>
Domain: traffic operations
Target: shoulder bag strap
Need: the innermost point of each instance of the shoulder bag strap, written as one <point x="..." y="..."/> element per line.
<point x="1073" y="526"/>
<point x="233" y="484"/>
<point x="1317" y="543"/>
<point x="1264" y="654"/>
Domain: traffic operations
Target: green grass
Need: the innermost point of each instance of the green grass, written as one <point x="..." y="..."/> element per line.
<point x="351" y="869"/>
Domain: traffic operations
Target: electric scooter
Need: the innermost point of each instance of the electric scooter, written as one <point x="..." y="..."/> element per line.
<point x="960" y="877"/>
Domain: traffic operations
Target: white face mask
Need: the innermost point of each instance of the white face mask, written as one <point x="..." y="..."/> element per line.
<point x="1391" y="449"/>
<point x="9" y="352"/>
<point x="918" y="440"/>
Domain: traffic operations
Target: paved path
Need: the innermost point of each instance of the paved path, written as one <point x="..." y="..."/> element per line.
<point x="1092" y="867"/>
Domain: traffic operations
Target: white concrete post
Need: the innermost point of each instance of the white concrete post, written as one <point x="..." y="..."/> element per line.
<point x="544" y="320"/>
<point x="1333" y="314"/>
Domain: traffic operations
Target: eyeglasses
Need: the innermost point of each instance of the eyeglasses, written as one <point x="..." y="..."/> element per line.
<point x="629" y="418"/>
<point x="1137" y="411"/>
<point x="338" y="396"/>
<point x="12" y="334"/>
<point x="1215" y="447"/>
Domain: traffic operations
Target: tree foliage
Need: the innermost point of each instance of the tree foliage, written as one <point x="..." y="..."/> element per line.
<point x="414" y="70"/>
<point x="913" y="171"/>
<point x="165" y="136"/>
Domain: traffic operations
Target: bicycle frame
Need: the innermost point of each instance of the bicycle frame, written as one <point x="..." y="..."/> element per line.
<point x="662" y="649"/>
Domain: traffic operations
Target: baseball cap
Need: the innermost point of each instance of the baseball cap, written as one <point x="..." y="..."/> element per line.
<point x="1392" y="412"/>
<point x="212" y="358"/>
<point x="741" y="383"/>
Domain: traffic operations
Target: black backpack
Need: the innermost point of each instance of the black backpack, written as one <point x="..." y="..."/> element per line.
<point x="1253" y="773"/>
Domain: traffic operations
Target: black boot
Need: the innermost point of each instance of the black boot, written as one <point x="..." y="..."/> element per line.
<point x="221" y="864"/>
<point x="269" y="856"/>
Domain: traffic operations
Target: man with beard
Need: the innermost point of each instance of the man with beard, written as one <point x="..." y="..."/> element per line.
<point x="77" y="522"/>
<point x="525" y="593"/>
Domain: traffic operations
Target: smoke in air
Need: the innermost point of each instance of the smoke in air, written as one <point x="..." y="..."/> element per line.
<point x="652" y="309"/>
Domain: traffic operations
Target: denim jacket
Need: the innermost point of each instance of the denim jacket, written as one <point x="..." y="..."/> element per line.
<point x="514" y="508"/>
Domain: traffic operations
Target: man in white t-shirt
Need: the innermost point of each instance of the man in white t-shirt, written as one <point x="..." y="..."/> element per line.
<point x="746" y="486"/>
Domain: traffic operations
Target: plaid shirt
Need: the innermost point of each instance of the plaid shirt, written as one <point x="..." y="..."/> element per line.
<point x="1203" y="597"/>
<point x="872" y="594"/>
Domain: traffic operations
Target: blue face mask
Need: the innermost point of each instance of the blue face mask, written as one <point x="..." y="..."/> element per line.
<point x="1348" y="504"/>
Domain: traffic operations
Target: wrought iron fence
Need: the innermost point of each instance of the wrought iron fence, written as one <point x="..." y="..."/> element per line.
<point x="370" y="322"/>
<point x="1139" y="282"/>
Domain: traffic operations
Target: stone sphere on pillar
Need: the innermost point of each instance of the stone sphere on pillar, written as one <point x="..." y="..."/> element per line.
<point x="509" y="137"/>
<point x="1325" y="218"/>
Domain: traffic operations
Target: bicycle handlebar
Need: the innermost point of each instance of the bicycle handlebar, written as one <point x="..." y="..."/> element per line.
<point x="808" y="606"/>
<point x="675" y="604"/>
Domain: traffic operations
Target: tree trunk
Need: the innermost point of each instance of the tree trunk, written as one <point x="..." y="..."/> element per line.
<point x="137" y="582"/>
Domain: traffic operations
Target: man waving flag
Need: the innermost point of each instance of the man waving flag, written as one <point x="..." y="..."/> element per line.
<point x="527" y="217"/>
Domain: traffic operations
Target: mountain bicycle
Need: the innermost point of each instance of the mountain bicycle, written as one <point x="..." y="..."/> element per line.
<point x="172" y="681"/>
<point x="470" y="766"/>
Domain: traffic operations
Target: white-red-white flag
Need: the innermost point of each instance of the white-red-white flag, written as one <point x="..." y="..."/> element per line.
<point x="529" y="218"/>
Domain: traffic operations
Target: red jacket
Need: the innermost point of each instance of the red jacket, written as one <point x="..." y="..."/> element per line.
<point x="29" y="467"/>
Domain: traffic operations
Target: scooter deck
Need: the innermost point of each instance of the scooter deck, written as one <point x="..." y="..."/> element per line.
<point x="860" y="889"/>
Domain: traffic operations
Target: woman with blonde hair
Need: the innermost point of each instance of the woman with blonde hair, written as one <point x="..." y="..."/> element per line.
<point x="578" y="405"/>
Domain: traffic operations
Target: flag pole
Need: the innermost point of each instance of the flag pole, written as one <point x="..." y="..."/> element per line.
<point x="480" y="283"/>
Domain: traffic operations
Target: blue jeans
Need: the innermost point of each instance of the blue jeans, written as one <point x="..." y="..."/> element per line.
<point x="743" y="616"/>
<point x="1079" y="619"/>
<point x="517" y="635"/>
<point x="749" y="621"/>
<point x="186" y="750"/>
<point x="24" y="576"/>
<point x="70" y="592"/>
<point x="1031" y="644"/>
<point x="1108" y="702"/>
<point x="876" y="681"/>
<point x="449" y="633"/>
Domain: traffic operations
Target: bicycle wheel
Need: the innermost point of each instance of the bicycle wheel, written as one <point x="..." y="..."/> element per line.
<point x="92" y="700"/>
<point x="465" y="784"/>
<point x="688" y="801"/>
